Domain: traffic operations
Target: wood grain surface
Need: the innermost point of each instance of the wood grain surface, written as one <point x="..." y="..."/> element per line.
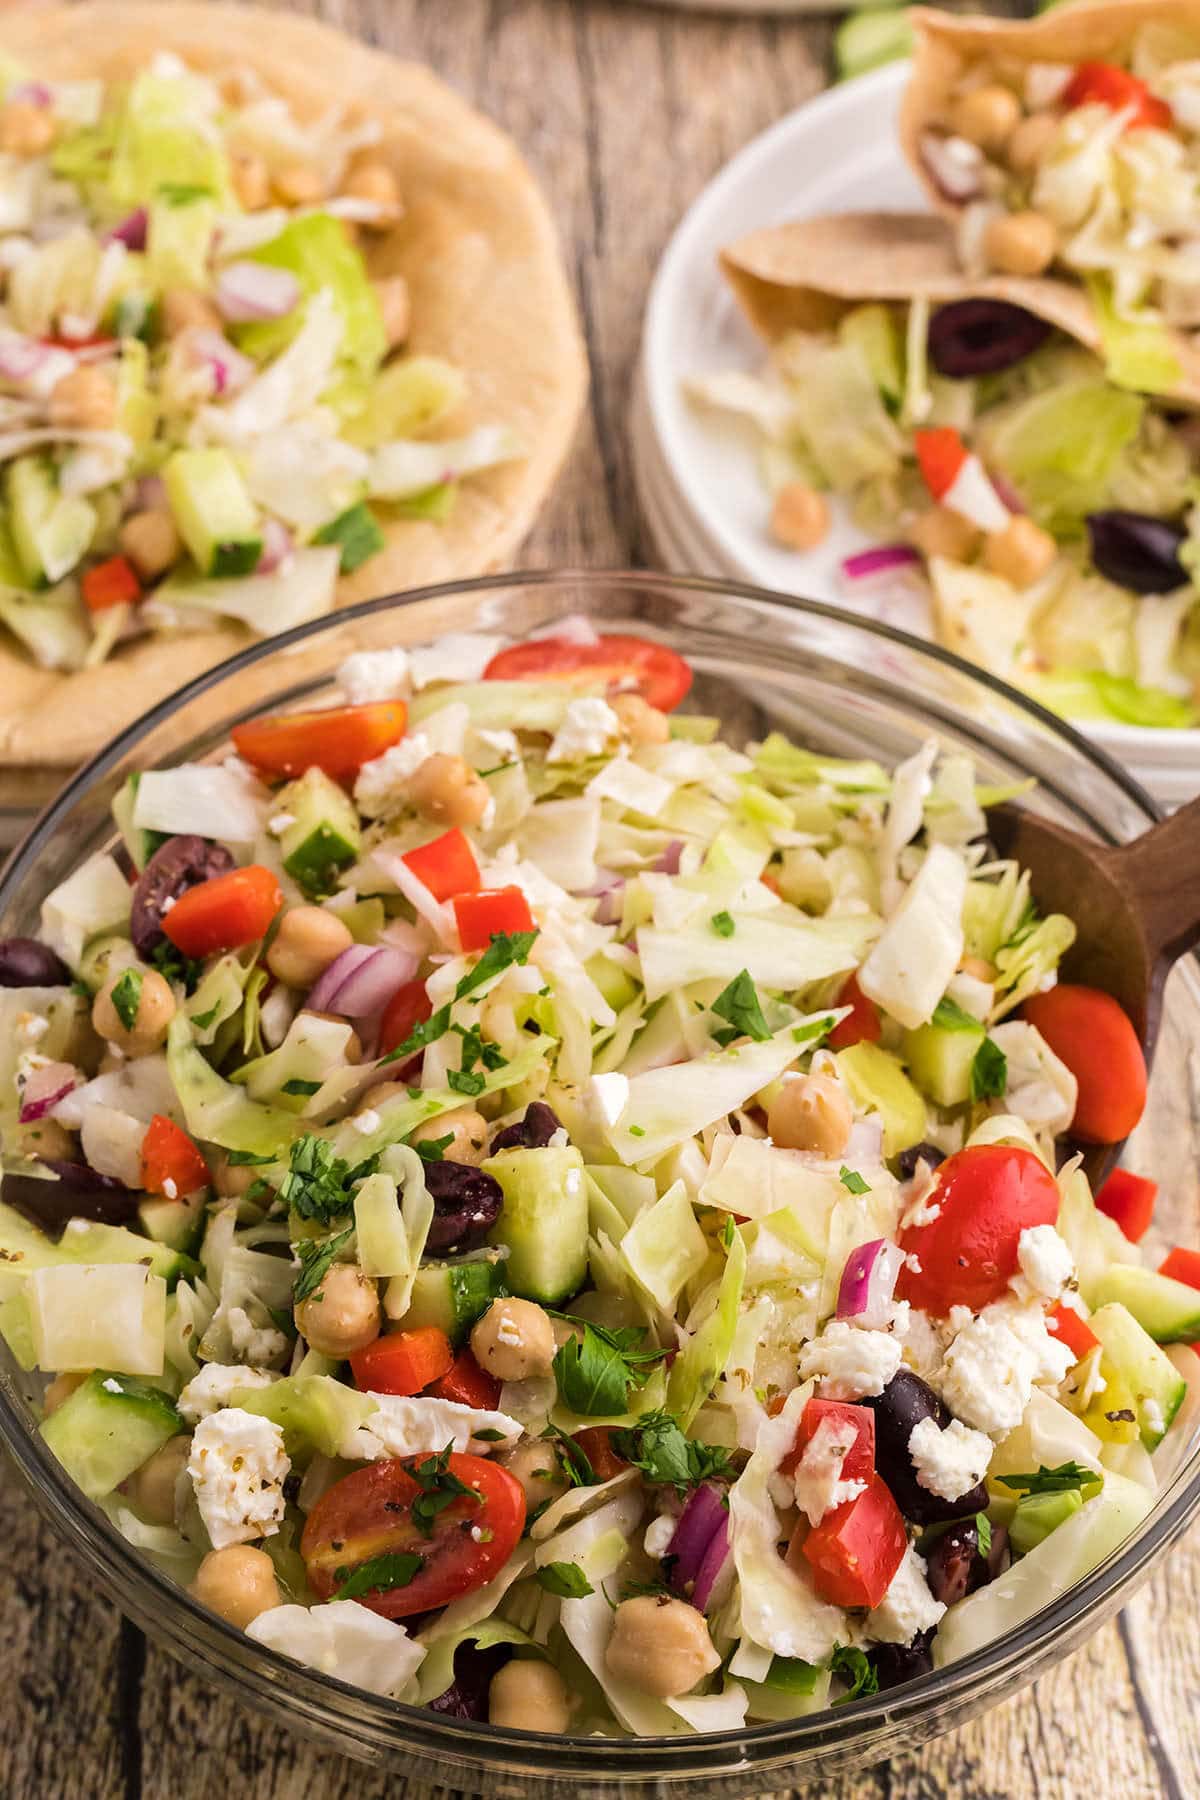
<point x="625" y="111"/>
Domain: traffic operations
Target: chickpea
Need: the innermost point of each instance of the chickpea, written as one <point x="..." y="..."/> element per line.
<point x="940" y="532"/>
<point x="60" y="1389"/>
<point x="987" y="116"/>
<point x="535" y="1465"/>
<point x="799" y="517"/>
<point x="151" y="542"/>
<point x="811" y="1112"/>
<point x="308" y="940"/>
<point x="1020" y="243"/>
<point x="467" y="1128"/>
<point x="298" y="185"/>
<point x="1021" y="553"/>
<point x="528" y="1695"/>
<point x="183" y="309"/>
<point x="25" y="129"/>
<point x="342" y="1316"/>
<point x="251" y="181"/>
<point x="1030" y="141"/>
<point x="447" y="791"/>
<point x="661" y="1646"/>
<point x="640" y="722"/>
<point x="44" y="1139"/>
<point x="238" y="1583"/>
<point x="232" y="1180"/>
<point x="152" y="1487"/>
<point x="354" y="1050"/>
<point x="513" y="1340"/>
<point x="978" y="967"/>
<point x="395" y="307"/>
<point x="84" y="400"/>
<point x="155" y="1010"/>
<point x="374" y="181"/>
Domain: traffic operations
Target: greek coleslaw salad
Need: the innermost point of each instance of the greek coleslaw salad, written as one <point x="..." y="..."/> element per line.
<point x="537" y="1211"/>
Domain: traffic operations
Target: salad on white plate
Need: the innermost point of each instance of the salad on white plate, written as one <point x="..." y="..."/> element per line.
<point x="544" y="1213"/>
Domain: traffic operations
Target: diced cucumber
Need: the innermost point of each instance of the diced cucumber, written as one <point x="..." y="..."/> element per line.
<point x="453" y="1294"/>
<point x="1168" y="1310"/>
<point x="50" y="530"/>
<point x="1096" y="1242"/>
<point x="217" y="519"/>
<point x="365" y="919"/>
<point x="873" y="329"/>
<point x="179" y="1224"/>
<point x="141" y="844"/>
<point x="544" y="1220"/>
<point x="107" y="1428"/>
<point x="314" y="1411"/>
<point x="24" y="1248"/>
<point x="939" y="1061"/>
<point x="1157" y="1386"/>
<point x="876" y="1080"/>
<point x="179" y="234"/>
<point x="1037" y="1515"/>
<point x="326" y="836"/>
<point x="106" y="956"/>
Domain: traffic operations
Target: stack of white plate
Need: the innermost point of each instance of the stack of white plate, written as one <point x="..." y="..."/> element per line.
<point x="698" y="477"/>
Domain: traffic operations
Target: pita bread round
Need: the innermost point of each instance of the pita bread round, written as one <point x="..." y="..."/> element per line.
<point x="478" y="247"/>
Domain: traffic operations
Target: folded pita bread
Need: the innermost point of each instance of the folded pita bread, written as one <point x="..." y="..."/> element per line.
<point x="478" y="248"/>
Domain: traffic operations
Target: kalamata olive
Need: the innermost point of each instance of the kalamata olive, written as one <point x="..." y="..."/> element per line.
<point x="954" y="1566"/>
<point x="978" y="337"/>
<point x="79" y="1193"/>
<point x="26" y="963"/>
<point x="179" y="864"/>
<point x="467" y="1695"/>
<point x="904" y="1402"/>
<point x="897" y="1663"/>
<point x="533" y="1132"/>
<point x="906" y="1162"/>
<point x="466" y="1204"/>
<point x="1137" y="551"/>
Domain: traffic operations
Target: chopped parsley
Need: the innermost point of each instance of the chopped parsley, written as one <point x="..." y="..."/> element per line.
<point x="246" y="1159"/>
<point x="433" y="1149"/>
<point x="565" y="1579"/>
<point x="317" y="1256"/>
<point x="989" y="1071"/>
<point x="637" y="1131"/>
<point x="948" y="1015"/>
<point x="318" y="1184"/>
<point x="815" y="1029"/>
<point x="183" y="193"/>
<point x="722" y="923"/>
<point x="852" y="1667"/>
<point x="850" y="1178"/>
<point x="1058" y="1480"/>
<point x="174" y="966"/>
<point x="428" y="1031"/>
<point x="983" y="1531"/>
<point x="297" y="1086"/>
<point x="439" y="1489"/>
<point x="658" y="1448"/>
<point x="378" y="1574"/>
<point x="126" y="996"/>
<point x="203" y="1020"/>
<point x="595" y="1373"/>
<point x="573" y="1459"/>
<point x="465" y="1081"/>
<point x="505" y="949"/>
<point x="739" y="1004"/>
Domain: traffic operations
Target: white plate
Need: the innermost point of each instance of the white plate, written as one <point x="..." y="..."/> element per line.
<point x="699" y="474"/>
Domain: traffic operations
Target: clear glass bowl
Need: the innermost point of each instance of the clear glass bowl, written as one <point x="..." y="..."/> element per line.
<point x="838" y="684"/>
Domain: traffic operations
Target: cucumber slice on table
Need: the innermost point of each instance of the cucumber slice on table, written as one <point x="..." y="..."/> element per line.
<point x="107" y="1428"/>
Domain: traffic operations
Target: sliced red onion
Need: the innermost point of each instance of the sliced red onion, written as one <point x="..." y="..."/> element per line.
<point x="361" y="980"/>
<point x="668" y="862"/>
<point x="131" y="231"/>
<point x="44" y="1088"/>
<point x="610" y="900"/>
<point x="704" y="1514"/>
<point x="150" y="494"/>
<point x="230" y="369"/>
<point x="717" y="1562"/>
<point x="868" y="1283"/>
<point x="21" y="357"/>
<point x="246" y="291"/>
<point x="340" y="969"/>
<point x="884" y="561"/>
<point x="954" y="165"/>
<point x="31" y="93"/>
<point x="277" y="545"/>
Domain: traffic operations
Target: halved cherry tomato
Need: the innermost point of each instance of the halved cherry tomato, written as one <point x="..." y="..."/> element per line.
<point x="862" y="1024"/>
<point x="225" y="912"/>
<point x="1182" y="1265"/>
<point x="630" y="664"/>
<point x="983" y="1198"/>
<point x="856" y="1549"/>
<point x="1088" y="1031"/>
<point x="596" y="1443"/>
<point x="339" y="741"/>
<point x="468" y="1385"/>
<point x="1129" y="1200"/>
<point x="941" y="453"/>
<point x="171" y="1163"/>
<point x="369" y="1514"/>
<point x="860" y="1458"/>
<point x="110" y="583"/>
<point x="410" y="1005"/>
<point x="1071" y="1330"/>
<point x="402" y="1362"/>
<point x="447" y="865"/>
<point x="1104" y="84"/>
<point x="483" y="916"/>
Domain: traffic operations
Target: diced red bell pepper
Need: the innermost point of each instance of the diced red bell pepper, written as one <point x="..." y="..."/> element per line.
<point x="860" y="1458"/>
<point x="410" y="1005"/>
<point x="225" y="912"/>
<point x="1128" y="1199"/>
<point x="339" y="741"/>
<point x="1182" y="1265"/>
<point x="467" y="1384"/>
<point x="862" y="1024"/>
<point x="1072" y="1331"/>
<point x="1104" y="84"/>
<point x="447" y="865"/>
<point x="856" y="1549"/>
<point x="483" y="916"/>
<point x="171" y="1163"/>
<point x="403" y="1362"/>
<point x="941" y="453"/>
<point x="597" y="1445"/>
<point x="110" y="583"/>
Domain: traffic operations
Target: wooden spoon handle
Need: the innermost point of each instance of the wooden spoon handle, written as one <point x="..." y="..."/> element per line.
<point x="1161" y="870"/>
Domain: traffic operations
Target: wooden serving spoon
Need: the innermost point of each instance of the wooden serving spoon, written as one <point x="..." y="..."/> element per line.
<point x="1136" y="910"/>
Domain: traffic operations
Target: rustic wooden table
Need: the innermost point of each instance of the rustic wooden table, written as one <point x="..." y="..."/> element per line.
<point x="625" y="111"/>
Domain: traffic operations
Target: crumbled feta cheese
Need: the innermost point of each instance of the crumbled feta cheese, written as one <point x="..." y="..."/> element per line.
<point x="659" y="1534"/>
<point x="238" y="1467"/>
<point x="995" y="1361"/>
<point x="342" y="1638"/>
<point x="818" y="1478"/>
<point x="374" y="675"/>
<point x="1152" y="1416"/>
<point x="502" y="744"/>
<point x="403" y="1426"/>
<point x="366" y="1121"/>
<point x="215" y="1385"/>
<point x="382" y="785"/>
<point x="588" y="728"/>
<point x="907" y="1608"/>
<point x="912" y="1262"/>
<point x="170" y="1188"/>
<point x="281" y="822"/>
<point x="850" y="1362"/>
<point x="1046" y="1263"/>
<point x="923" y="1345"/>
<point x="459" y="656"/>
<point x="951" y="1462"/>
<point x="254" y="1343"/>
<point x="111" y="1385"/>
